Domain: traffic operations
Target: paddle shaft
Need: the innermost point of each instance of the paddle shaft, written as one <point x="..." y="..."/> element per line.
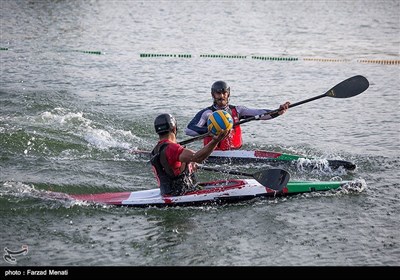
<point x="226" y="171"/>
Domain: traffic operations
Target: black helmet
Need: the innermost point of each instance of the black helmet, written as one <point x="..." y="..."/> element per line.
<point x="164" y="123"/>
<point x="220" y="87"/>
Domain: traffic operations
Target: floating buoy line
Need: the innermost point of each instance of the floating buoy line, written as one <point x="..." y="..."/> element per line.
<point x="273" y="58"/>
<point x="89" y="52"/>
<point x="380" y="61"/>
<point x="257" y="57"/>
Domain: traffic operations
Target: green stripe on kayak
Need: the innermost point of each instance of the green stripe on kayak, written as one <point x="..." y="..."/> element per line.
<point x="299" y="186"/>
<point x="288" y="157"/>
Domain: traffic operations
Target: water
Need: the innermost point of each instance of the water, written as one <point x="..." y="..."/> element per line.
<point x="69" y="118"/>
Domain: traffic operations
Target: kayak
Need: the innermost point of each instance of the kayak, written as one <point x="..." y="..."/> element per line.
<point x="243" y="156"/>
<point x="272" y="158"/>
<point x="215" y="192"/>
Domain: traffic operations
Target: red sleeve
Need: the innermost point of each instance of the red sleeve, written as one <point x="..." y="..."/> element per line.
<point x="172" y="153"/>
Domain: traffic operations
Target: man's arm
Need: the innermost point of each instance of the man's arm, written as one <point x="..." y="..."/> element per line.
<point x="245" y="112"/>
<point x="202" y="154"/>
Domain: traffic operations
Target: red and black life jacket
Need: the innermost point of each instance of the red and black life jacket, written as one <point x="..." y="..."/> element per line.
<point x="168" y="182"/>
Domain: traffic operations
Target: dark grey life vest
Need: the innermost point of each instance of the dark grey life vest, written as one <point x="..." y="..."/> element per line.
<point x="169" y="183"/>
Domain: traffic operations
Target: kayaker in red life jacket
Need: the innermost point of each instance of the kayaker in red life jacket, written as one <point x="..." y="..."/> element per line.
<point x="220" y="92"/>
<point x="173" y="164"/>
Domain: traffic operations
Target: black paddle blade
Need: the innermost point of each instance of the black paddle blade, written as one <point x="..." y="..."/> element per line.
<point x="275" y="179"/>
<point x="349" y="88"/>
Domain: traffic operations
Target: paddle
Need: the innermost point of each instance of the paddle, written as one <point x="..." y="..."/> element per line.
<point x="275" y="179"/>
<point x="345" y="89"/>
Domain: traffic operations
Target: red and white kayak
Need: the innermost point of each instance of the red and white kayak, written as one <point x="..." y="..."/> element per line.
<point x="216" y="192"/>
<point x="275" y="158"/>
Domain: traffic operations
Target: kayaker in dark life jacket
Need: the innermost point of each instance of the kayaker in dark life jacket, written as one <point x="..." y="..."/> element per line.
<point x="220" y="92"/>
<point x="173" y="164"/>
